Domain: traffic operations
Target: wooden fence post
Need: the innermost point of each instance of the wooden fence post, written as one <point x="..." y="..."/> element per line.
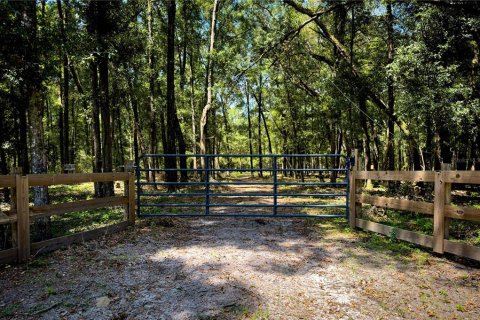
<point x="129" y="191"/>
<point x="439" y="213"/>
<point x="13" y="205"/>
<point x="354" y="208"/>
<point x="448" y="198"/>
<point x="23" y="218"/>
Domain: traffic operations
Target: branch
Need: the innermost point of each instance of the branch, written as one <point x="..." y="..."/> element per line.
<point x="75" y="78"/>
<point x="290" y="34"/>
<point x="322" y="59"/>
<point x="346" y="56"/>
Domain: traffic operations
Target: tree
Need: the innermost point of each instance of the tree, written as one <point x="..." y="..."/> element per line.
<point x="208" y="105"/>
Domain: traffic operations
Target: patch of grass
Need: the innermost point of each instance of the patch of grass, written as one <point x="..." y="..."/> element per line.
<point x="380" y="243"/>
<point x="460" y="307"/>
<point x="39" y="263"/>
<point x="50" y="291"/>
<point x="260" y="314"/>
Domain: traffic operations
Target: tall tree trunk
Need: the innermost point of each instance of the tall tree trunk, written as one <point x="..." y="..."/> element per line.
<point x="105" y="112"/>
<point x="208" y="105"/>
<point x="36" y="113"/>
<point x="65" y="148"/>
<point x="390" y="152"/>
<point x="151" y="93"/>
<point x="136" y="118"/>
<point x="259" y="137"/>
<point x="23" y="156"/>
<point x="364" y="123"/>
<point x="97" y="144"/>
<point x="267" y="133"/>
<point x="250" y="144"/>
<point x="192" y="106"/>
<point x="171" y="162"/>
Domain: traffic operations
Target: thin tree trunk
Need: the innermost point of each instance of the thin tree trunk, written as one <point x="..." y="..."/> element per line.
<point x="105" y="112"/>
<point x="364" y="124"/>
<point x="35" y="115"/>
<point x="192" y="105"/>
<point x="171" y="162"/>
<point x="97" y="146"/>
<point x="390" y="152"/>
<point x="259" y="137"/>
<point x="66" y="85"/>
<point x="250" y="144"/>
<point x="208" y="105"/>
<point x="151" y="92"/>
<point x="267" y="132"/>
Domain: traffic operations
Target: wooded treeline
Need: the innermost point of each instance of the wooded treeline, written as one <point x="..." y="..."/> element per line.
<point x="95" y="83"/>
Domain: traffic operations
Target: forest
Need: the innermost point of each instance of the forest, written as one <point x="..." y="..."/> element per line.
<point x="96" y="83"/>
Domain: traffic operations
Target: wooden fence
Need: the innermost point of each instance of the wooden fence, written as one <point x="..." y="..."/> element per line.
<point x="22" y="214"/>
<point x="441" y="209"/>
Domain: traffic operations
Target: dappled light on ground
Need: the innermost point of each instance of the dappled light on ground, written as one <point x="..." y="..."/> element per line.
<point x="240" y="269"/>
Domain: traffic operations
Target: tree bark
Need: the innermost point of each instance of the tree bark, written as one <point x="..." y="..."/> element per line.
<point x="250" y="145"/>
<point x="97" y="145"/>
<point x="171" y="162"/>
<point x="35" y="113"/>
<point x="65" y="139"/>
<point x="192" y="106"/>
<point x="151" y="93"/>
<point x="208" y="105"/>
<point x="390" y="152"/>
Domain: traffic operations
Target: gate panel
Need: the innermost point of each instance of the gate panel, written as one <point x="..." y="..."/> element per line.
<point x="287" y="178"/>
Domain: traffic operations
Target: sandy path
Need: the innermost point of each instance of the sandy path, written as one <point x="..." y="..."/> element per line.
<point x="235" y="269"/>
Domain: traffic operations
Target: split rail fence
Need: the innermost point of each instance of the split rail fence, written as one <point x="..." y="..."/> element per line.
<point x="441" y="209"/>
<point x="21" y="214"/>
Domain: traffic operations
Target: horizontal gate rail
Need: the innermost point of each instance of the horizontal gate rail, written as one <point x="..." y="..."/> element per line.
<point x="160" y="194"/>
<point x="219" y="194"/>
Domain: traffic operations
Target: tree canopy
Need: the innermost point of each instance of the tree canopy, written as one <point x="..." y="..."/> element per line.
<point x="96" y="83"/>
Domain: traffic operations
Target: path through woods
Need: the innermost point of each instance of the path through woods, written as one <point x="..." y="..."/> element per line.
<point x="237" y="269"/>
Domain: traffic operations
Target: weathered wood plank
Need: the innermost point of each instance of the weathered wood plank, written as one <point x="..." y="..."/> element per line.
<point x="464" y="213"/>
<point x="83" y="205"/>
<point x="397" y="204"/>
<point x="472" y="177"/>
<point x="439" y="213"/>
<point x="401" y="234"/>
<point x="6" y="219"/>
<point x="62" y="242"/>
<point x="75" y="178"/>
<point x="415" y="176"/>
<point x="7" y="181"/>
<point x="23" y="218"/>
<point x="455" y="212"/>
<point x="462" y="250"/>
<point x="8" y="256"/>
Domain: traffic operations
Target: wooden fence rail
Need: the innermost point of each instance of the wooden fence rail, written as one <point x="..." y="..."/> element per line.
<point x="441" y="209"/>
<point x="22" y="214"/>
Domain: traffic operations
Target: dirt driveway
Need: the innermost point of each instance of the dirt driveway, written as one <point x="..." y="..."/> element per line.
<point x="237" y="269"/>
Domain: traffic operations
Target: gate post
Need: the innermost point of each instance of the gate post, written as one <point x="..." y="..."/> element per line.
<point x="207" y="185"/>
<point x="129" y="192"/>
<point x="439" y="213"/>
<point x="275" y="188"/>
<point x="448" y="198"/>
<point x="352" y="192"/>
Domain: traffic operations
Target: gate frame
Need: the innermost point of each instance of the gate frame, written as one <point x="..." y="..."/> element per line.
<point x="274" y="170"/>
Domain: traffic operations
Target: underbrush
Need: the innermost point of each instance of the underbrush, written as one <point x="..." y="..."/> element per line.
<point x="459" y="230"/>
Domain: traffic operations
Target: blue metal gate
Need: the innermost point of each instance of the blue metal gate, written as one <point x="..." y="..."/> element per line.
<point x="239" y="185"/>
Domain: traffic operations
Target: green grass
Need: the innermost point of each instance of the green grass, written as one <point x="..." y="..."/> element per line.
<point x="80" y="221"/>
